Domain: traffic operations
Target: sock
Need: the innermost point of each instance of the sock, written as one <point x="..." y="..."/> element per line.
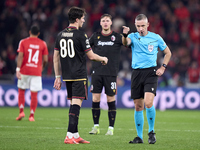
<point x="76" y="135"/>
<point x="139" y="123"/>
<point x="21" y="100"/>
<point x="34" y="102"/>
<point x="96" y="112"/>
<point x="70" y="108"/>
<point x="151" y="115"/>
<point x="112" y="128"/>
<point x="70" y="135"/>
<point x="76" y="129"/>
<point x="73" y="118"/>
<point x="111" y="113"/>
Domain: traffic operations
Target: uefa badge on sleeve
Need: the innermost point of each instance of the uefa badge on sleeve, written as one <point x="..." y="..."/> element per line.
<point x="150" y="48"/>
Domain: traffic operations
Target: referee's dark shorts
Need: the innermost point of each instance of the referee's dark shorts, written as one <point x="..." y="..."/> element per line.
<point x="143" y="80"/>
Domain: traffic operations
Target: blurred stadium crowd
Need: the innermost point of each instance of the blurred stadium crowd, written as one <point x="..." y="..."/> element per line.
<point x="177" y="21"/>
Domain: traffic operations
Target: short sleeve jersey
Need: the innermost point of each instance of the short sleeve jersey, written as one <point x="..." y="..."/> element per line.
<point x="145" y="49"/>
<point x="73" y="45"/>
<point x="109" y="46"/>
<point x="33" y="50"/>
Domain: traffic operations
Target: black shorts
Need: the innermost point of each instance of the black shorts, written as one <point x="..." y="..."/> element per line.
<point x="108" y="82"/>
<point x="77" y="89"/>
<point x="143" y="80"/>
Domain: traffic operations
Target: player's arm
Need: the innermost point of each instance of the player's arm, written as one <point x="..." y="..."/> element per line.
<point x="19" y="63"/>
<point x="89" y="52"/>
<point x="166" y="59"/>
<point x="45" y="56"/>
<point x="125" y="40"/>
<point x="92" y="56"/>
<point x="45" y="61"/>
<point x="56" y="63"/>
<point x="91" y="40"/>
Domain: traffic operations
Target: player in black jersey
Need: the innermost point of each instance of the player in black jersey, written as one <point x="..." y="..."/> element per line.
<point x="107" y="43"/>
<point x="71" y="48"/>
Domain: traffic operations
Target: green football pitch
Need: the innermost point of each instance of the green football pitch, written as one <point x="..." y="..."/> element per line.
<point x="175" y="129"/>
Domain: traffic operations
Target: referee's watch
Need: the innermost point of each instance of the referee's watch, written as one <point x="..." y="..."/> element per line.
<point x="164" y="65"/>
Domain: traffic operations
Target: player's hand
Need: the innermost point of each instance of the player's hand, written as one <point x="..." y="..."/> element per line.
<point x="18" y="75"/>
<point x="105" y="61"/>
<point x="125" y="29"/>
<point x="57" y="83"/>
<point x="160" y="71"/>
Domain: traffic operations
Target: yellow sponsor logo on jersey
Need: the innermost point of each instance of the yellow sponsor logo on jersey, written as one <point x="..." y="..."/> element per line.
<point x="98" y="37"/>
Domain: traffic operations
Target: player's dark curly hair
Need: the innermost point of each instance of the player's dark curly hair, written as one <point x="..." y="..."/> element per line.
<point x="74" y="13"/>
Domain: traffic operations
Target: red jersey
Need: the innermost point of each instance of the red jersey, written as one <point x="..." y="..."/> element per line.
<point x="33" y="49"/>
<point x="194" y="74"/>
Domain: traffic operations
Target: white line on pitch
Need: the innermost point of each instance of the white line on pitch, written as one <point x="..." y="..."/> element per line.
<point x="62" y="128"/>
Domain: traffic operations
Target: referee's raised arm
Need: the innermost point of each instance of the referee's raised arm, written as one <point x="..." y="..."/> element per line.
<point x="125" y="40"/>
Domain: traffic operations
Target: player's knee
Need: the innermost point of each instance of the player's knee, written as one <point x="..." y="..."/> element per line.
<point x="110" y="98"/>
<point x="148" y="104"/>
<point x="139" y="107"/>
<point x="96" y="97"/>
<point x="96" y="100"/>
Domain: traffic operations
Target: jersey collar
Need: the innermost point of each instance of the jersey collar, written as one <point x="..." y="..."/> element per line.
<point x="72" y="27"/>
<point x="107" y="34"/>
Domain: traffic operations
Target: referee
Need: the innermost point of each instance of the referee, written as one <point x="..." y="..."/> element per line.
<point x="144" y="79"/>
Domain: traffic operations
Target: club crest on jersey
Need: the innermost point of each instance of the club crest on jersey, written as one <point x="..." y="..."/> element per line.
<point x="113" y="38"/>
<point x="150" y="48"/>
<point x="98" y="37"/>
<point x="86" y="35"/>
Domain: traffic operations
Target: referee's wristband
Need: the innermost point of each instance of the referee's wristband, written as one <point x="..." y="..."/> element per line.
<point x="58" y="76"/>
<point x="17" y="69"/>
<point x="164" y="65"/>
<point x="125" y="35"/>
